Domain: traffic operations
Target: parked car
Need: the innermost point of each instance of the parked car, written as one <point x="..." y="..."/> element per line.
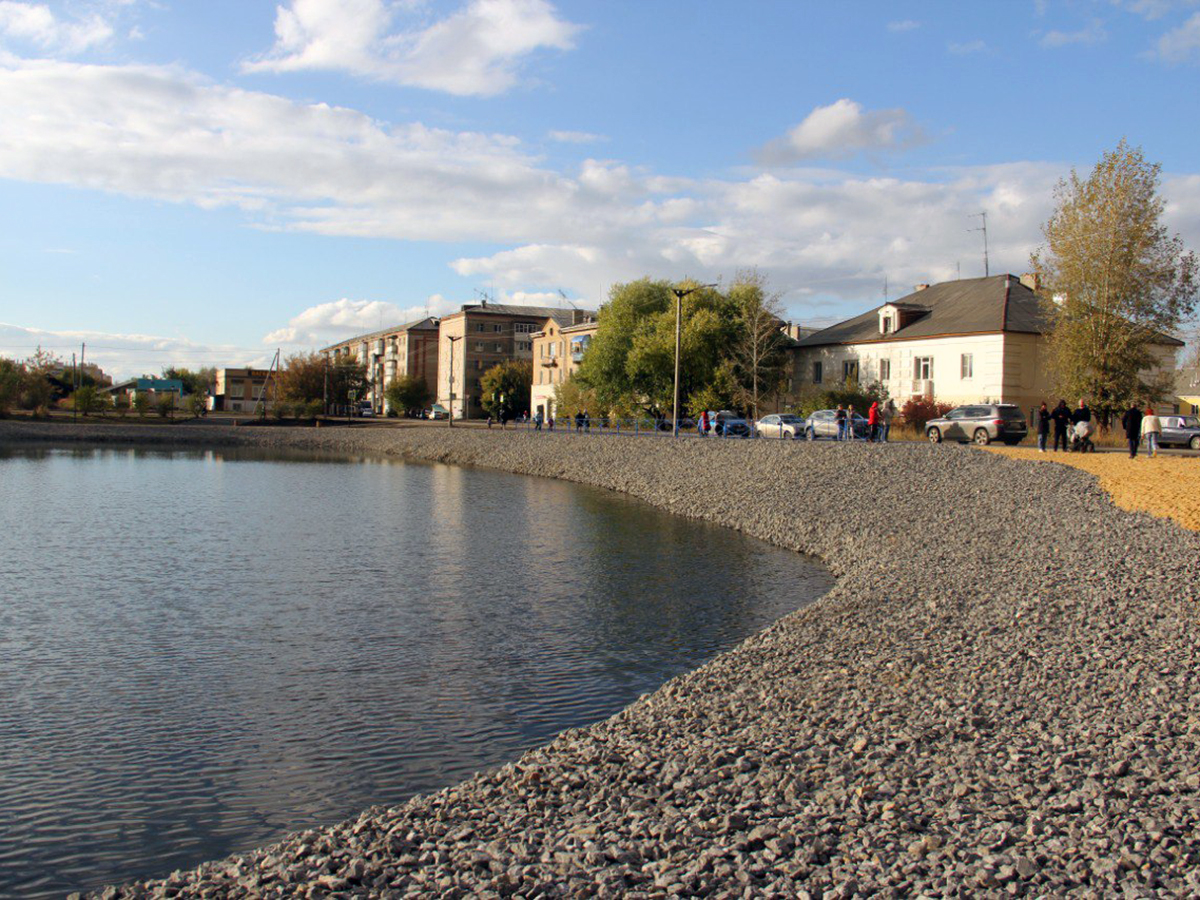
<point x="366" y="411"/>
<point x="1180" y="431"/>
<point x="437" y="411"/>
<point x="823" y="424"/>
<point x="981" y="423"/>
<point x="784" y="425"/>
<point x="729" y="424"/>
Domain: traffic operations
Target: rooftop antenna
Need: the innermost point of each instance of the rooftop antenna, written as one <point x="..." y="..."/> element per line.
<point x="885" y="289"/>
<point x="484" y="296"/>
<point x="958" y="270"/>
<point x="983" y="228"/>
<point x="563" y="294"/>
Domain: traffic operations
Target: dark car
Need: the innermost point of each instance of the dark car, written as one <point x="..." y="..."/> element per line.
<point x="1180" y="431"/>
<point x="729" y="424"/>
<point x="981" y="423"/>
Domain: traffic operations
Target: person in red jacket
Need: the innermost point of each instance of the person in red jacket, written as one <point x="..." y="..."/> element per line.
<point x="873" y="421"/>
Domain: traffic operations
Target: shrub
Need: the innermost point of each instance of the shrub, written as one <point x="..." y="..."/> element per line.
<point x="165" y="406"/>
<point x="86" y="400"/>
<point x="313" y="408"/>
<point x="197" y="405"/>
<point x="12" y="375"/>
<point x="916" y="413"/>
<point x="281" y="409"/>
<point x="121" y="404"/>
<point x="141" y="404"/>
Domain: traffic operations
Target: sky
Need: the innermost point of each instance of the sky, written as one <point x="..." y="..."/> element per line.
<point x="204" y="183"/>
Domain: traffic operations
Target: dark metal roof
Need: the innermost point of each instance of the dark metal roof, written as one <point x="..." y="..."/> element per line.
<point x="429" y="323"/>
<point x="969" y="306"/>
<point x="560" y="315"/>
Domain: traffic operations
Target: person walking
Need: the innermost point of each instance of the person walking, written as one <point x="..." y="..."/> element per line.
<point x="840" y="418"/>
<point x="886" y="416"/>
<point x="702" y="425"/>
<point x="1151" y="430"/>
<point x="1061" y="417"/>
<point x="873" y="422"/>
<point x="537" y="421"/>
<point x="850" y="421"/>
<point x="1132" y="423"/>
<point x="1043" y="427"/>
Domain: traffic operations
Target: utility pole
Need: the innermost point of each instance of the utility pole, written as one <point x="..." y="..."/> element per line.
<point x="680" y="293"/>
<point x="74" y="386"/>
<point x="450" y="418"/>
<point x="983" y="228"/>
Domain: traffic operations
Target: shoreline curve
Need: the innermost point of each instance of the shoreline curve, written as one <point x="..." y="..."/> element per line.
<point x="998" y="696"/>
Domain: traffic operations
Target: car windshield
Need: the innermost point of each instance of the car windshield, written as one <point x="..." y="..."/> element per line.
<point x="790" y="420"/>
<point x="1190" y="422"/>
<point x="1010" y="412"/>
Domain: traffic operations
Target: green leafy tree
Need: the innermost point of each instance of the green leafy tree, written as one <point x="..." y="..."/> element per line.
<point x="165" y="406"/>
<point x="1113" y="282"/>
<point x="302" y="378"/>
<point x="407" y="394"/>
<point x="141" y="404"/>
<point x="86" y="400"/>
<point x="573" y="396"/>
<point x="38" y="390"/>
<point x="12" y="379"/>
<point x="197" y="404"/>
<point x="195" y="381"/>
<point x="505" y="388"/>
<point x="121" y="404"/>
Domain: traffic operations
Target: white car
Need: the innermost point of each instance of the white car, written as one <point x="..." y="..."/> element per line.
<point x="783" y="425"/>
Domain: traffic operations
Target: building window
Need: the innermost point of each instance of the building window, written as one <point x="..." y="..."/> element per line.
<point x="478" y="364"/>
<point x="479" y="345"/>
<point x="524" y="346"/>
<point x="923" y="368"/>
<point x="818" y="372"/>
<point x="497" y="328"/>
<point x="885" y="370"/>
<point x="968" y="366"/>
<point x="479" y="326"/>
<point x="850" y="370"/>
<point x="886" y="324"/>
<point x="524" y="327"/>
<point x="498" y="348"/>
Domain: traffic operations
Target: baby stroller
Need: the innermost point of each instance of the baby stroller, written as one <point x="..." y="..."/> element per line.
<point x="1081" y="437"/>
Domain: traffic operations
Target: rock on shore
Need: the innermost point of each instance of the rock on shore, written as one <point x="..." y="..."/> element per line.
<point x="999" y="697"/>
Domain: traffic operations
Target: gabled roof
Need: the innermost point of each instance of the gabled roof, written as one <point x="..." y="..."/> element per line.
<point x="969" y="306"/>
<point x="429" y="323"/>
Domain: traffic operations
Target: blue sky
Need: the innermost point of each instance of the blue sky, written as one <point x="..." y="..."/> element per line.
<point x="196" y="183"/>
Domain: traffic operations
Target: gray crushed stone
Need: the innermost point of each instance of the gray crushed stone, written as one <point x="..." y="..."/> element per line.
<point x="999" y="697"/>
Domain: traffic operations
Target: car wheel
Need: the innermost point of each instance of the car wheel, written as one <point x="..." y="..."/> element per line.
<point x="1194" y="443"/>
<point x="981" y="437"/>
<point x="934" y="435"/>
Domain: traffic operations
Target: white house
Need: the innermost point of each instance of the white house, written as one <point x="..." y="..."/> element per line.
<point x="977" y="340"/>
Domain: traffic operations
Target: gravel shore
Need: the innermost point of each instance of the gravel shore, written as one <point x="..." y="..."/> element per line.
<point x="999" y="697"/>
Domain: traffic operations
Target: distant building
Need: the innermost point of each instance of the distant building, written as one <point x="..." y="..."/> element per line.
<point x="1187" y="392"/>
<point x="557" y="352"/>
<point x="481" y="335"/>
<point x="155" y="388"/>
<point x="238" y="390"/>
<point x="390" y="353"/>
<point x="977" y="340"/>
<point x="67" y="373"/>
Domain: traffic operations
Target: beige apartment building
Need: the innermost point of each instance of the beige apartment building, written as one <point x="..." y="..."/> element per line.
<point x="977" y="340"/>
<point x="238" y="390"/>
<point x="404" y="350"/>
<point x="481" y="335"/>
<point x="557" y="351"/>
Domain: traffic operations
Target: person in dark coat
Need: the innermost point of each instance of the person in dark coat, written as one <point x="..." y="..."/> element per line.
<point x="1061" y="418"/>
<point x="1132" y="423"/>
<point x="1043" y="427"/>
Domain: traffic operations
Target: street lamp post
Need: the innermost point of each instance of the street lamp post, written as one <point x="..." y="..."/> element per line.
<point x="680" y="293"/>
<point x="450" y="417"/>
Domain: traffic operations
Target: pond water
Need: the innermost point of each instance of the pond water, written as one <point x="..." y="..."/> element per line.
<point x="201" y="651"/>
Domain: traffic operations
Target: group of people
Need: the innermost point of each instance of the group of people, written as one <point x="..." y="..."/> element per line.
<point x="879" y="422"/>
<point x="1138" y="426"/>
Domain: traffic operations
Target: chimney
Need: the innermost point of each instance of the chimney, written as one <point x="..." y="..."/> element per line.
<point x="1031" y="281"/>
<point x="920" y="287"/>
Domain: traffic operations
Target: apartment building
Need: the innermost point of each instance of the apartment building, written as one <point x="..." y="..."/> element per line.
<point x="410" y="349"/>
<point x="976" y="340"/>
<point x="479" y="336"/>
<point x="557" y="351"/>
<point x="238" y="390"/>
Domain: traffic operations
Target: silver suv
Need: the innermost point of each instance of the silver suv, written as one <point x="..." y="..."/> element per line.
<point x="982" y="424"/>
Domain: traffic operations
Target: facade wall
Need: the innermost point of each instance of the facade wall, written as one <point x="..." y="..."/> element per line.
<point x="238" y="390"/>
<point x="485" y="339"/>
<point x="895" y="365"/>
<point x="557" y="353"/>
<point x="389" y="355"/>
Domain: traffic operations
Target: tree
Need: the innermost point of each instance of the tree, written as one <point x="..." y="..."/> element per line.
<point x="505" y="388"/>
<point x="38" y="391"/>
<point x="165" y="405"/>
<point x="306" y="377"/>
<point x="573" y="396"/>
<point x="141" y="404"/>
<point x="407" y="394"/>
<point x="1113" y="282"/>
<point x="86" y="400"/>
<point x="195" y="381"/>
<point x="197" y="404"/>
<point x="12" y="379"/>
<point x="759" y="355"/>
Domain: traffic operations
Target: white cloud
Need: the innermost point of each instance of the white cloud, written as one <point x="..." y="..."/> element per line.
<point x="1152" y="9"/>
<point x="1092" y="33"/>
<point x="36" y="24"/>
<point x="966" y="48"/>
<point x="905" y="25"/>
<point x="328" y="323"/>
<point x="576" y="137"/>
<point x="475" y="51"/>
<point x="840" y="130"/>
<point x="1180" y="44"/>
<point x="126" y="355"/>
